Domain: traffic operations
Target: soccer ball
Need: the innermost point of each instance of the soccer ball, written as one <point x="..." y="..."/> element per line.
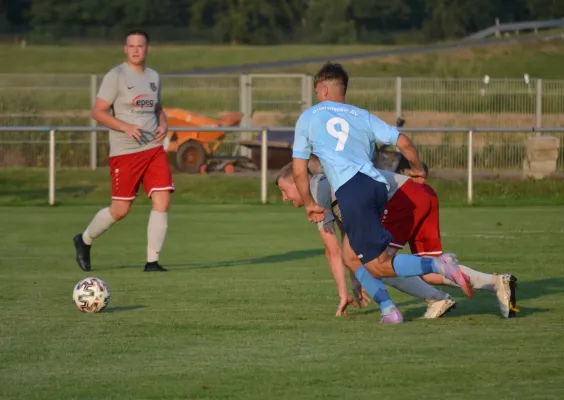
<point x="91" y="295"/>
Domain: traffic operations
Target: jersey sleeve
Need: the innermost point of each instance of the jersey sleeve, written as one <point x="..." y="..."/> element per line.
<point x="109" y="87"/>
<point x="302" y="145"/>
<point x="383" y="132"/>
<point x="321" y="192"/>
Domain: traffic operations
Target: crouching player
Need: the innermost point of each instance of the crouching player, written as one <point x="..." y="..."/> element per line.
<point x="411" y="216"/>
<point x="438" y="302"/>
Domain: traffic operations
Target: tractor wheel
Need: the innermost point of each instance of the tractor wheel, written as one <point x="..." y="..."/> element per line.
<point x="190" y="157"/>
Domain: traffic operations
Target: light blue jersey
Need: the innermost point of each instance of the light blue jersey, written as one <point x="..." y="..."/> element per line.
<point x="343" y="137"/>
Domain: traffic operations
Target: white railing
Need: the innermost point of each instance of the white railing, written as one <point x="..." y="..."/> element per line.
<point x="264" y="144"/>
<point x="497" y="29"/>
<point x="53" y="129"/>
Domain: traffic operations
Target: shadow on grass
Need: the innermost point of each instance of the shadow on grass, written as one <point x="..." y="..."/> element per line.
<point x="270" y="259"/>
<point x="484" y="303"/>
<point x="123" y="308"/>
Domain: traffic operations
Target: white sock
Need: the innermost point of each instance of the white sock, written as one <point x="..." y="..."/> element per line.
<point x="479" y="280"/>
<point x="99" y="224"/>
<point x="156" y="234"/>
<point x="448" y="282"/>
<point x="415" y="286"/>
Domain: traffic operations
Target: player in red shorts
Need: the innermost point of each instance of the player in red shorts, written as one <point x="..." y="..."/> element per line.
<point x="411" y="216"/>
<point x="129" y="104"/>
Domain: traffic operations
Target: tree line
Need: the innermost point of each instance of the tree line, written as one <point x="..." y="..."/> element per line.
<point x="267" y="22"/>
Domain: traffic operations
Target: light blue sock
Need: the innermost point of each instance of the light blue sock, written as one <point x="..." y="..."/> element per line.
<point x="375" y="288"/>
<point x="407" y="265"/>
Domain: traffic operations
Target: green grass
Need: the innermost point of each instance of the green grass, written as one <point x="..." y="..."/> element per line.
<point x="29" y="187"/>
<point x="539" y="59"/>
<point x="210" y="95"/>
<point x="21" y="94"/>
<point x="164" y="58"/>
<point x="247" y="312"/>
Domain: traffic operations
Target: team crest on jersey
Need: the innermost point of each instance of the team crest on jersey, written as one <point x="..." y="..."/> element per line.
<point x="153" y="86"/>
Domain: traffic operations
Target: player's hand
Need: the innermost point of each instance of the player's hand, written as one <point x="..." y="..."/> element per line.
<point x="315" y="213"/>
<point x="160" y="133"/>
<point x="362" y="299"/>
<point x="418" y="175"/>
<point x="134" y="131"/>
<point x="345" y="302"/>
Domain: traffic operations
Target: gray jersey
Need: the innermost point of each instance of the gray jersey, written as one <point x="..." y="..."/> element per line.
<point x="323" y="194"/>
<point x="133" y="96"/>
<point x="394" y="180"/>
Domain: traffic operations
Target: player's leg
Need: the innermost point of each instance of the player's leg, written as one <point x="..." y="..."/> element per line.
<point x="158" y="184"/>
<point x="373" y="286"/>
<point x="125" y="172"/>
<point x="438" y="302"/>
<point x="361" y="201"/>
<point x="402" y="217"/>
<point x="427" y="242"/>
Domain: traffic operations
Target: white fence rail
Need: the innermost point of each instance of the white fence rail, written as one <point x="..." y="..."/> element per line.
<point x="470" y="131"/>
<point x="277" y="100"/>
<point x="516" y="27"/>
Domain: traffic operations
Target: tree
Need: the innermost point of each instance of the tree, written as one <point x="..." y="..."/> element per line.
<point x="328" y="21"/>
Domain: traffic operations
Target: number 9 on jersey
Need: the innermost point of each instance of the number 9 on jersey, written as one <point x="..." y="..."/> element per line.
<point x="341" y="134"/>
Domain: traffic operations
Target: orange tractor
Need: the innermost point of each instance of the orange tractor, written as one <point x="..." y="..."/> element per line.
<point x="192" y="151"/>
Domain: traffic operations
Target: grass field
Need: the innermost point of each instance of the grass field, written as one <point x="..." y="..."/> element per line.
<point x="538" y="59"/>
<point x="247" y="312"/>
<point x="65" y="99"/>
<point x="29" y="187"/>
<point x="165" y="58"/>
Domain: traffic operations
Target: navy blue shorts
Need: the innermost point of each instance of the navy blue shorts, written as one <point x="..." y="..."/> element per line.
<point x="362" y="201"/>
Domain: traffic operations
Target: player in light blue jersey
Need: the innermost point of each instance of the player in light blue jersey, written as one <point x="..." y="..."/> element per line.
<point x="343" y="137"/>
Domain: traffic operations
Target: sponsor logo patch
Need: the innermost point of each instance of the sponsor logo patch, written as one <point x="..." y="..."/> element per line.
<point x="143" y="101"/>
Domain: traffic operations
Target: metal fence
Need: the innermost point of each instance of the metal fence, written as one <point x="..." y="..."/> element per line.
<point x="470" y="156"/>
<point x="277" y="100"/>
<point x="66" y="99"/>
<point x="516" y="27"/>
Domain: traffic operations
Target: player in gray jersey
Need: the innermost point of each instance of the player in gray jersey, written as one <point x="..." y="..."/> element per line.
<point x="438" y="302"/>
<point x="129" y="104"/>
<point x="411" y="216"/>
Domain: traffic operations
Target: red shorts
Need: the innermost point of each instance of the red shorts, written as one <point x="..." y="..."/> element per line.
<point x="412" y="216"/>
<point x="149" y="167"/>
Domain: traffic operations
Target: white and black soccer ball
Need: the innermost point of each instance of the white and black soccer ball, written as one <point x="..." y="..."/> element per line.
<point x="91" y="295"/>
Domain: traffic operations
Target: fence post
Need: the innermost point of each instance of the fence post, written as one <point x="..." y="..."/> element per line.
<point x="539" y="105"/>
<point x="470" y="166"/>
<point x="263" y="167"/>
<point x="398" y="96"/>
<point x="245" y="106"/>
<point x="52" y="167"/>
<point x="307" y="92"/>
<point x="93" y="135"/>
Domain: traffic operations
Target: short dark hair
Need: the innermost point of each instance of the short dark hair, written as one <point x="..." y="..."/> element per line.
<point x="332" y="72"/>
<point x="285" y="172"/>
<point x="139" y="32"/>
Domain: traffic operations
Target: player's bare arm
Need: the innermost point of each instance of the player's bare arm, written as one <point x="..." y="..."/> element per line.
<point x="315" y="213"/>
<point x="100" y="112"/>
<point x="163" y="123"/>
<point x="333" y="255"/>
<point x="408" y="150"/>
